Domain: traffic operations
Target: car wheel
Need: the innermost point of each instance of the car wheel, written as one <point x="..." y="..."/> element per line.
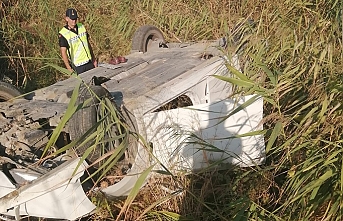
<point x="8" y="91"/>
<point x="85" y="118"/>
<point x="146" y="38"/>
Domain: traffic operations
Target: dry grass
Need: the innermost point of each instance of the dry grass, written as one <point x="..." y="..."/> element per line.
<point x="293" y="55"/>
<point x="211" y="195"/>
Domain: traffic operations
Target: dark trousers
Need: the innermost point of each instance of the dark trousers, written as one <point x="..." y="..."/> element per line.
<point x="85" y="67"/>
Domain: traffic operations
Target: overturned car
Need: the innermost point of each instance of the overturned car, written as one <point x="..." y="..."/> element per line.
<point x="167" y="107"/>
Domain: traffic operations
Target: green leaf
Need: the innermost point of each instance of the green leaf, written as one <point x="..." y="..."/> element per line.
<point x="272" y="77"/>
<point x="273" y="136"/>
<point x="68" y="114"/>
<point x="239" y="74"/>
<point x="238" y="82"/>
<point x="171" y="215"/>
<point x="308" y="115"/>
<point x="134" y="191"/>
<point x="325" y="105"/>
<point x="242" y="106"/>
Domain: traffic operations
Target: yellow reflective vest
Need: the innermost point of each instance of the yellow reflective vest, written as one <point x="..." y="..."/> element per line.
<point x="78" y="52"/>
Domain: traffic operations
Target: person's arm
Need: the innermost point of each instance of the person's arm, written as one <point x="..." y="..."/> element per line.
<point x="65" y="58"/>
<point x="64" y="50"/>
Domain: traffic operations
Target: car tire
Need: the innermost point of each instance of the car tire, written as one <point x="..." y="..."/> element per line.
<point x="146" y="38"/>
<point x="85" y="118"/>
<point x="8" y="91"/>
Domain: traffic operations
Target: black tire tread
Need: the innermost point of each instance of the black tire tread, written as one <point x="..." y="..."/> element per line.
<point x="84" y="119"/>
<point x="8" y="91"/>
<point x="142" y="35"/>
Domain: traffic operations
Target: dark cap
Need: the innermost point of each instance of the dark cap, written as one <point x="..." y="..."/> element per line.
<point x="71" y="13"/>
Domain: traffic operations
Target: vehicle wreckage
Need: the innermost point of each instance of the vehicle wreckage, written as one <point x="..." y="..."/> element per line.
<point x="187" y="136"/>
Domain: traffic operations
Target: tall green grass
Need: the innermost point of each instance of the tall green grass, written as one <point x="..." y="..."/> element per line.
<point x="293" y="58"/>
<point x="291" y="55"/>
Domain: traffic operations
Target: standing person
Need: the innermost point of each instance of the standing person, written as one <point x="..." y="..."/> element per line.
<point x="77" y="53"/>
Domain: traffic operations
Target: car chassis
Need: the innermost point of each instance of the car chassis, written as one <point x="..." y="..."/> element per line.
<point x="184" y="139"/>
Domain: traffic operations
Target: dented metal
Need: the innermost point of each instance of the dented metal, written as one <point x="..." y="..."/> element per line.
<point x="142" y="86"/>
<point x="57" y="194"/>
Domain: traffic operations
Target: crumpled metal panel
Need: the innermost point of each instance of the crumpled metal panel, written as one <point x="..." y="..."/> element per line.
<point x="57" y="194"/>
<point x="188" y="139"/>
<point x="177" y="134"/>
<point x="6" y="185"/>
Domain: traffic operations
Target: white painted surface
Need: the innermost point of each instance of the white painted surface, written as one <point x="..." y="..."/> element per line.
<point x="176" y="135"/>
<point x="171" y="135"/>
<point x="57" y="194"/>
<point x="5" y="185"/>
